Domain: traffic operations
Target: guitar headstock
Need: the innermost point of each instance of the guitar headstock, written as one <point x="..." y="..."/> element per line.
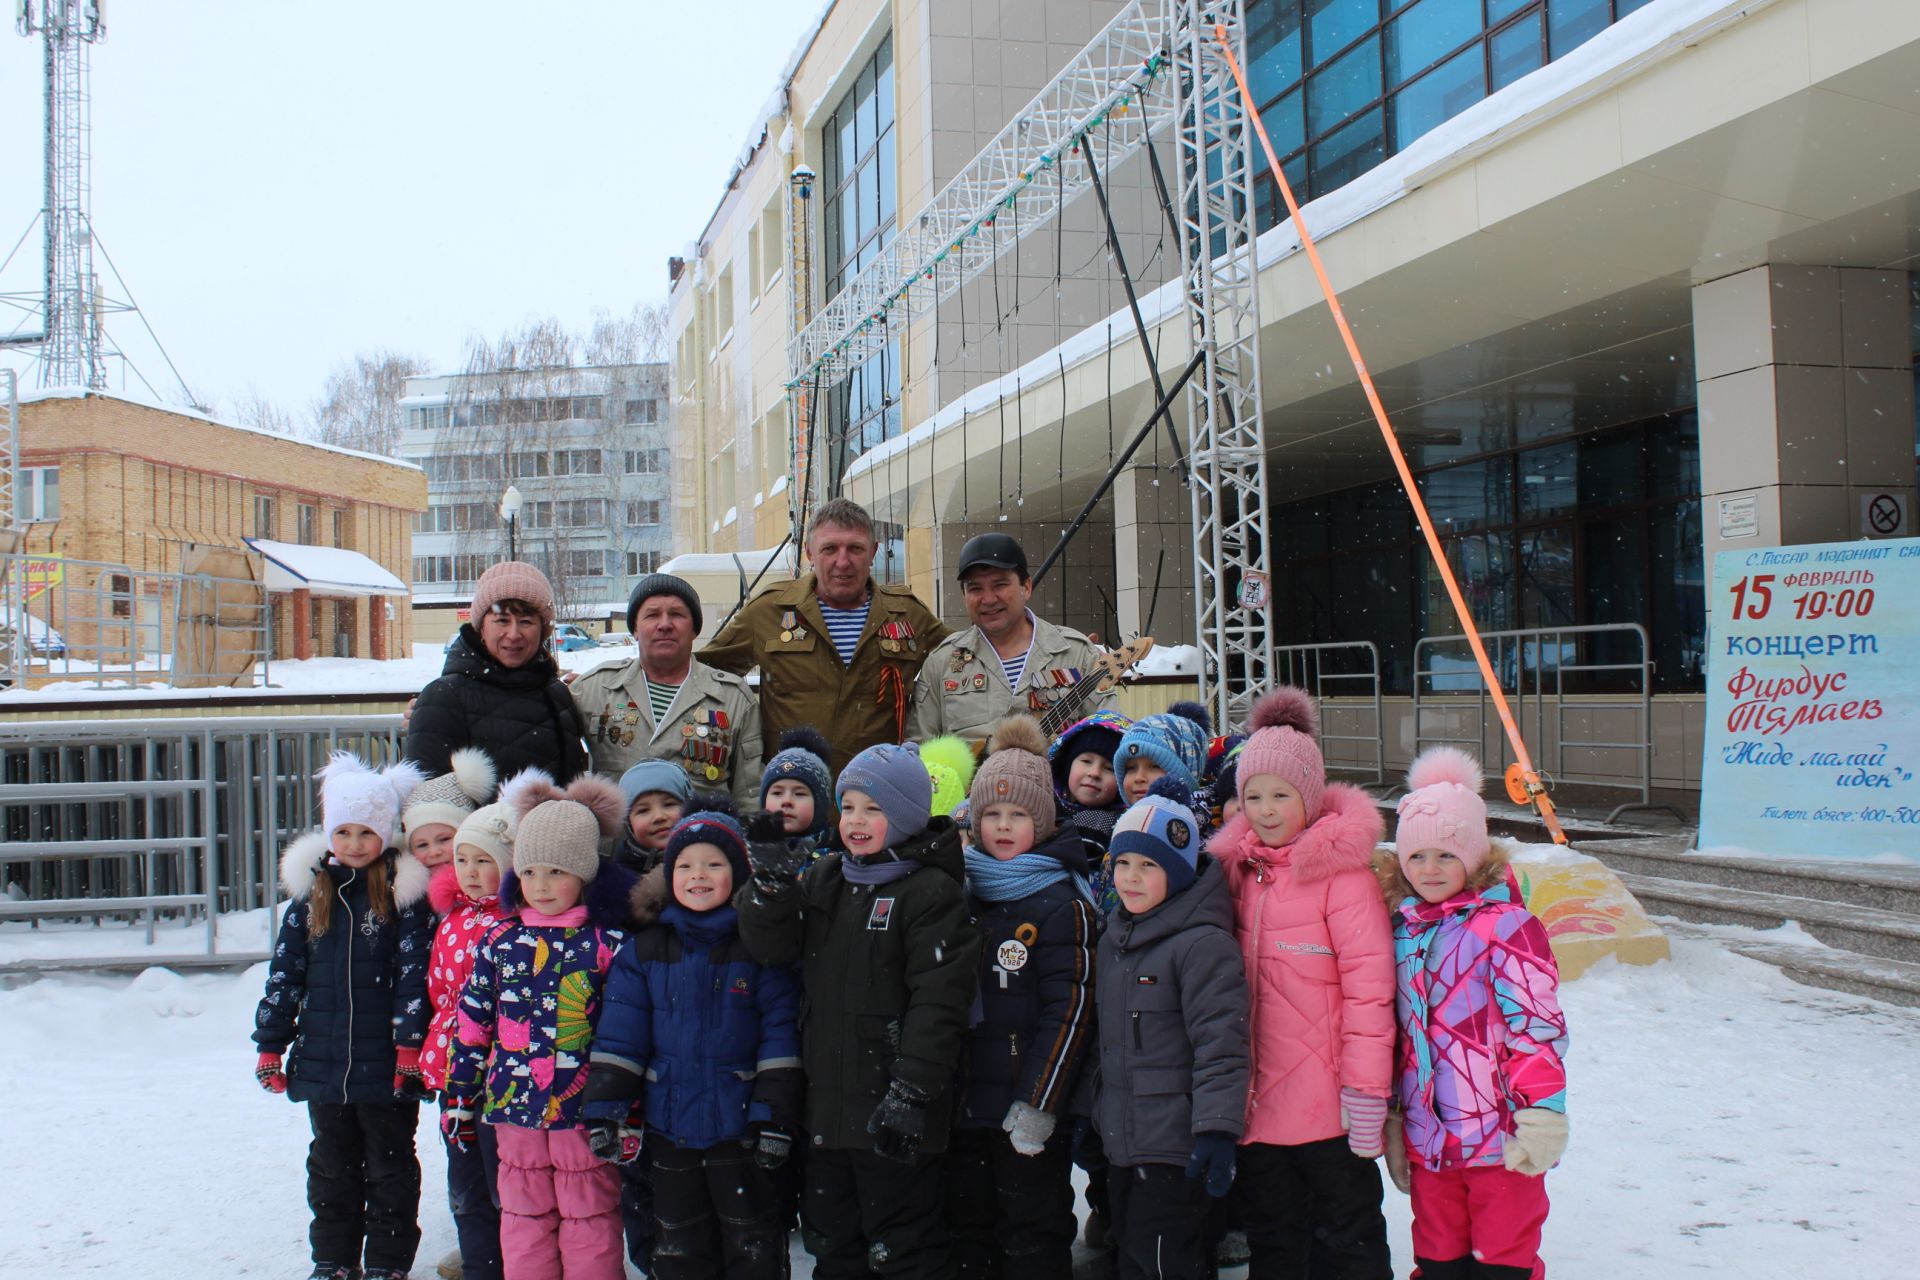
<point x="1116" y="662"/>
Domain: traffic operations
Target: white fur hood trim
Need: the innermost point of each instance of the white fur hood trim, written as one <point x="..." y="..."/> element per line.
<point x="304" y="855"/>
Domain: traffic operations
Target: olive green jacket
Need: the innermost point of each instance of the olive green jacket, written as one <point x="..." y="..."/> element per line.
<point x="712" y="730"/>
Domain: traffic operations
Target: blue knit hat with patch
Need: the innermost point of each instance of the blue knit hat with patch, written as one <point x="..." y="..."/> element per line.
<point x="802" y="758"/>
<point x="1100" y="732"/>
<point x="656" y="775"/>
<point x="1161" y="825"/>
<point x="893" y="778"/>
<point x="1176" y="740"/>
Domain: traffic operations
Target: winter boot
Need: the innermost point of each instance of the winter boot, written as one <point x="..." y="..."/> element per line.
<point x="1233" y="1250"/>
<point x="1098" y="1235"/>
<point x="385" y="1273"/>
<point x="334" y="1271"/>
<point x="450" y="1267"/>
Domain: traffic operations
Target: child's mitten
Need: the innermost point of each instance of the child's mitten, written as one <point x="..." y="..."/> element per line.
<point x="1029" y="1127"/>
<point x="771" y="1147"/>
<point x="1399" y="1168"/>
<point x="1538" y="1138"/>
<point x="776" y="859"/>
<point x="612" y="1142"/>
<point x="900" y="1122"/>
<point x="407" y="1084"/>
<point x="266" y="1069"/>
<point x="1212" y="1159"/>
<point x="457" y="1123"/>
<point x="1363" y="1115"/>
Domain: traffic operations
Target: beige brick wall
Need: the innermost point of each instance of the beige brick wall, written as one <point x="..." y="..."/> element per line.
<point x="138" y="483"/>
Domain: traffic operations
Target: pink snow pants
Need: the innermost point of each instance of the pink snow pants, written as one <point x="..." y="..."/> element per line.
<point x="559" y="1207"/>
<point x="1487" y="1213"/>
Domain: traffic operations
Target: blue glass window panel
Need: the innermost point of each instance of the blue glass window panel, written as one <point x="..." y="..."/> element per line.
<point x="1498" y="9"/>
<point x="1332" y="25"/>
<point x="1285" y="125"/>
<point x="861" y="109"/>
<point x="1427" y="32"/>
<point x="1349" y="153"/>
<point x="1612" y="470"/>
<point x="1438" y="96"/>
<point x="848" y="155"/>
<point x="1344" y="87"/>
<point x="1571" y="23"/>
<point x="884" y="162"/>
<point x="1624" y="7"/>
<point x="883" y="88"/>
<point x="1515" y="51"/>
<point x="1549" y="480"/>
<point x="1546" y="581"/>
<point x="1273" y="50"/>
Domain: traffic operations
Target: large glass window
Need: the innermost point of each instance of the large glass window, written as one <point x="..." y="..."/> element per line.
<point x="860" y="196"/>
<point x="1597" y="528"/>
<point x="1378" y="74"/>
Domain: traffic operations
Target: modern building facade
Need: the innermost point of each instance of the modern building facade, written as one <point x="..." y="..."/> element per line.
<point x="123" y="497"/>
<point x="1633" y="278"/>
<point x="588" y="452"/>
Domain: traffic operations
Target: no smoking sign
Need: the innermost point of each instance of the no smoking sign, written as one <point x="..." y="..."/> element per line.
<point x="1883" y="515"/>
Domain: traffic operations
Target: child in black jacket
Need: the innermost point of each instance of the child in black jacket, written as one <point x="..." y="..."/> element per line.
<point x="347" y="990"/>
<point x="1010" y="1195"/>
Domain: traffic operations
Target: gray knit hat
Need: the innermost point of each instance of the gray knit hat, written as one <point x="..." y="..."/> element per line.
<point x="563" y="829"/>
<point x="449" y="798"/>
<point x="490" y="830"/>
<point x="893" y="778"/>
<point x="1015" y="772"/>
<point x="663" y="584"/>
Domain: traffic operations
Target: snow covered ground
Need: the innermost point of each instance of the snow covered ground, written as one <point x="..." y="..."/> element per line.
<point x="1726" y="1121"/>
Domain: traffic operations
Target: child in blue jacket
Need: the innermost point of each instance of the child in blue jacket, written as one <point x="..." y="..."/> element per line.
<point x="347" y="990"/>
<point x="708" y="1041"/>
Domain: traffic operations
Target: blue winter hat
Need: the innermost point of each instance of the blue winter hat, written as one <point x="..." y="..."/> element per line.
<point x="656" y="775"/>
<point x="716" y="827"/>
<point x="1161" y="826"/>
<point x="1176" y="740"/>
<point x="802" y="758"/>
<point x="893" y="777"/>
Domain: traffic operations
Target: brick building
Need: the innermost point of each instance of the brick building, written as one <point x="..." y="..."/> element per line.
<point x="118" y="483"/>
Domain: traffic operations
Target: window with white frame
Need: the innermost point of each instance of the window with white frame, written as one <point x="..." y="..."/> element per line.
<point x="39" y="493"/>
<point x="639" y="562"/>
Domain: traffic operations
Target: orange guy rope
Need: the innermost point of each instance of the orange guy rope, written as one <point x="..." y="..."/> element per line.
<point x="1526" y="786"/>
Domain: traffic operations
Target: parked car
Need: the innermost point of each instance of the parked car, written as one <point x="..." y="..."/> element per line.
<point x="567" y="638"/>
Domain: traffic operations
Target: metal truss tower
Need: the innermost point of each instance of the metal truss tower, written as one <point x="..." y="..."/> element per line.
<point x="71" y="351"/>
<point x="13" y="610"/>
<point x="1214" y="141"/>
<point x="1118" y="84"/>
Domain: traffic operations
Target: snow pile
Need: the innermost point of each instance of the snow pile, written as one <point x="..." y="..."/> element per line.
<point x="1725" y="1121"/>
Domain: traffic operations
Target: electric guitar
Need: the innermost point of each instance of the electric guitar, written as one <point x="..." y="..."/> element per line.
<point x="1108" y="670"/>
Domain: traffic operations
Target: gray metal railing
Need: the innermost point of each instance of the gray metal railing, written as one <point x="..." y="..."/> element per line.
<point x="1344" y="680"/>
<point x="1535" y="667"/>
<point x="178" y="819"/>
<point x="109" y="624"/>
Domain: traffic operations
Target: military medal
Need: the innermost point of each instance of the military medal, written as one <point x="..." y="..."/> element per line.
<point x="979" y="682"/>
<point x="961" y="657"/>
<point x="713" y="771"/>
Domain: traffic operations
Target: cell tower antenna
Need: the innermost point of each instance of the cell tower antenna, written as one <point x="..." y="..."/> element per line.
<point x="71" y="351"/>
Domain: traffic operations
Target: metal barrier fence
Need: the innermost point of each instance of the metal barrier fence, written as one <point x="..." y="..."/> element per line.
<point x="105" y="623"/>
<point x="1350" y="674"/>
<point x="164" y="819"/>
<point x="1535" y="668"/>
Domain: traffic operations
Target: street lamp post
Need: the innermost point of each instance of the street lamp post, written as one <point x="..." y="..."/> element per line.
<point x="510" y="503"/>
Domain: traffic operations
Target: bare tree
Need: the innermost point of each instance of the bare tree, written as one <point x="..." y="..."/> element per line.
<point x="360" y="406"/>
<point x="254" y="408"/>
<point x="639" y="337"/>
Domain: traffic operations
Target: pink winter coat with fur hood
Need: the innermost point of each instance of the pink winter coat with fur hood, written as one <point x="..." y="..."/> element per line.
<point x="1318" y="947"/>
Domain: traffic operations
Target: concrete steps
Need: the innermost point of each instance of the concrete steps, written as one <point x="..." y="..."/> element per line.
<point x="1894" y="981"/>
<point x="1868" y="931"/>
<point x="1864" y="884"/>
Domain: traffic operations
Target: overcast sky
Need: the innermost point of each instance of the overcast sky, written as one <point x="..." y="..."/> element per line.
<point x="284" y="184"/>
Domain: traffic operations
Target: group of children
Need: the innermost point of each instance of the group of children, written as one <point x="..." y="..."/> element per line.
<point x="1180" y="961"/>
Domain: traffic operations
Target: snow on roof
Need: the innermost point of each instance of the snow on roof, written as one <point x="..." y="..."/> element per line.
<point x="333" y="571"/>
<point x="515" y="385"/>
<point x="81" y="393"/>
<point x="728" y="562"/>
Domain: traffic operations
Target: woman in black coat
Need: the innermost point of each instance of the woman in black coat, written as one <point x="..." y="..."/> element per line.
<point x="501" y="690"/>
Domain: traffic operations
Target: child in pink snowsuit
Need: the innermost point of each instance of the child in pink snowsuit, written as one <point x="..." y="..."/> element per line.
<point x="1318" y="950"/>
<point x="1481" y="1092"/>
<point x="525" y="1027"/>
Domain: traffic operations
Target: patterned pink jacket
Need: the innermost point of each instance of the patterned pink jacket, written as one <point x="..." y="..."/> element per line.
<point x="464" y="926"/>
<point x="1481" y="1032"/>
<point x="1318" y="947"/>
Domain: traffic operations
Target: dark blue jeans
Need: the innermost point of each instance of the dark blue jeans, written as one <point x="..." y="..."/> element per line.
<point x="473" y="1193"/>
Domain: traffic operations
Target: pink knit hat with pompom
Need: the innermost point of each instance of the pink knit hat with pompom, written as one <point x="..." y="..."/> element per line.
<point x="1283" y="744"/>
<point x="1443" y="808"/>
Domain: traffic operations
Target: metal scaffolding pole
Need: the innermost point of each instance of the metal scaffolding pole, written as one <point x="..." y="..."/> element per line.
<point x="1214" y="154"/>
<point x="71" y="354"/>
